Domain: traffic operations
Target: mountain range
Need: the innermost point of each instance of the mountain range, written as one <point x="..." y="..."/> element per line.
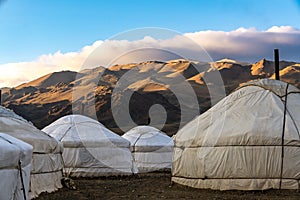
<point x="182" y="87"/>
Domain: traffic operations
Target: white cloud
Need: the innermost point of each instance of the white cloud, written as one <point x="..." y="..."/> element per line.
<point x="250" y="44"/>
<point x="13" y="74"/>
<point x="283" y="29"/>
<point x="246" y="44"/>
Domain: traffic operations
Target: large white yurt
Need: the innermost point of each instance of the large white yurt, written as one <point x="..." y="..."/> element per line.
<point x="90" y="149"/>
<point x="15" y="159"/>
<point x="248" y="141"/>
<point x="151" y="148"/>
<point x="47" y="164"/>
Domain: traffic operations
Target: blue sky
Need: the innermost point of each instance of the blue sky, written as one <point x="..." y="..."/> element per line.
<point x="34" y="27"/>
<point x="42" y="36"/>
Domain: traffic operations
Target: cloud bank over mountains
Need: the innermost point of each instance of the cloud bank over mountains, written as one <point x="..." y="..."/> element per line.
<point x="250" y="44"/>
<point x="245" y="44"/>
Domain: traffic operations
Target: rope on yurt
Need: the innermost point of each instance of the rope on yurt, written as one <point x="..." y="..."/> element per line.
<point x="22" y="180"/>
<point x="283" y="132"/>
<point x="133" y="149"/>
<point x="66" y="181"/>
<point x="64" y="174"/>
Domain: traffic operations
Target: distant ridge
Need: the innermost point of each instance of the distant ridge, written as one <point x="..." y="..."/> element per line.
<point x="49" y="97"/>
<point x="51" y="79"/>
<point x="228" y="60"/>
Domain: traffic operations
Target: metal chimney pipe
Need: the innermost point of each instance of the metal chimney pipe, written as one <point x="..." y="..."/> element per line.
<point x="276" y="59"/>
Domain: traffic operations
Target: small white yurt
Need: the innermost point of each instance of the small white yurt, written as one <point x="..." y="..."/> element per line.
<point x="90" y="149"/>
<point x="152" y="149"/>
<point x="250" y="140"/>
<point x="47" y="164"/>
<point x="15" y="159"/>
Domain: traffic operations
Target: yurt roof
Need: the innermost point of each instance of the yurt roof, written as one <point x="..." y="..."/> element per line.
<point x="275" y="86"/>
<point x="147" y="136"/>
<point x="141" y="130"/>
<point x="12" y="150"/>
<point x="251" y="115"/>
<point x="78" y="130"/>
<point x="20" y="128"/>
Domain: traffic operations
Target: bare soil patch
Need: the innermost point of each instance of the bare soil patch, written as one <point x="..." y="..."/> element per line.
<point x="154" y="186"/>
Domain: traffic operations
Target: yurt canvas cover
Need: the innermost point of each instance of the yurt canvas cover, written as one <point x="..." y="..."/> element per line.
<point x="247" y="141"/>
<point x="90" y="149"/>
<point x="15" y="159"/>
<point x="152" y="149"/>
<point x="46" y="166"/>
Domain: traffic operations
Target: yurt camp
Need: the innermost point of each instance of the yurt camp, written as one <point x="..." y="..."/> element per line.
<point x="90" y="149"/>
<point x="248" y="141"/>
<point x="46" y="165"/>
<point x="151" y="148"/>
<point x="15" y="160"/>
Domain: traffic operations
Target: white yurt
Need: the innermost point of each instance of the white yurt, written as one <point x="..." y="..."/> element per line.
<point x="15" y="159"/>
<point x="248" y="141"/>
<point x="90" y="149"/>
<point x="47" y="164"/>
<point x="151" y="148"/>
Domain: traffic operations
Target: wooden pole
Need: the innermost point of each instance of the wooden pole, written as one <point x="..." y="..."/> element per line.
<point x="276" y="59"/>
<point x="82" y="108"/>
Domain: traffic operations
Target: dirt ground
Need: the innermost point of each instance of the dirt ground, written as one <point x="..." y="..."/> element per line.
<point x="154" y="186"/>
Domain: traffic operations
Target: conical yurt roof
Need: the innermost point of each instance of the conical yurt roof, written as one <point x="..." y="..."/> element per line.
<point x="251" y="115"/>
<point x="78" y="130"/>
<point x="24" y="130"/>
<point x="148" y="136"/>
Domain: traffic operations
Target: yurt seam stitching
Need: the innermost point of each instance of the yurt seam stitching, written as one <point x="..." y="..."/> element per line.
<point x="15" y="167"/>
<point x="45" y="172"/>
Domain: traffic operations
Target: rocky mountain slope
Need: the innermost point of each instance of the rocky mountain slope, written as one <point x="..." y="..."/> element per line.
<point x="171" y="84"/>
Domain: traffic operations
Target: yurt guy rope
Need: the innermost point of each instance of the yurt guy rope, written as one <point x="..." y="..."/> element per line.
<point x="283" y="133"/>
<point x="22" y="180"/>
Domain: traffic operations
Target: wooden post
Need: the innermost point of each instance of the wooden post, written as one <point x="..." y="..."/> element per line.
<point x="276" y="61"/>
<point x="0" y="97"/>
<point x="82" y="108"/>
